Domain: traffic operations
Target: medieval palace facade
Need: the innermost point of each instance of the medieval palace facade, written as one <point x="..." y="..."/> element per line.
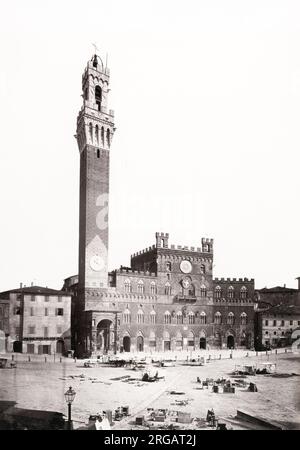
<point x="168" y="299"/>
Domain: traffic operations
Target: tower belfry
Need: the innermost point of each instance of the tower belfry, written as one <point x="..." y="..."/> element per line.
<point x="95" y="128"/>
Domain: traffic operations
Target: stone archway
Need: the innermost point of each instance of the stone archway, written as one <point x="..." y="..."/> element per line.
<point x="202" y="342"/>
<point x="230" y="341"/>
<point x="140" y="343"/>
<point x="126" y="343"/>
<point x="60" y="346"/>
<point x="17" y="347"/>
<point x="105" y="337"/>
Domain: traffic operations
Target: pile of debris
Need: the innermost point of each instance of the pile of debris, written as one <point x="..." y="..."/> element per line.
<point x="164" y="419"/>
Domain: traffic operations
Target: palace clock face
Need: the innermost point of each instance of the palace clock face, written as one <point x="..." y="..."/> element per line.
<point x="97" y="263"/>
<point x="185" y="266"/>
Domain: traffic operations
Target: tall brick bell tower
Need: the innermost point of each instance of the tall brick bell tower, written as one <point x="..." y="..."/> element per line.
<point x="95" y="128"/>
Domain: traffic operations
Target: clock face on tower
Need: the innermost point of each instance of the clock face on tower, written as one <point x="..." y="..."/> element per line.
<point x="186" y="266"/>
<point x="97" y="263"/>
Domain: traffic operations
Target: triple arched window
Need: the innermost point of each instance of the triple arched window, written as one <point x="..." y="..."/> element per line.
<point x="243" y="293"/>
<point x="218" y="318"/>
<point x="191" y="318"/>
<point x="179" y="318"/>
<point x="127" y="286"/>
<point x="231" y="292"/>
<point x="203" y="291"/>
<point x="153" y="317"/>
<point x="218" y="292"/>
<point x="126" y="316"/>
<point x="152" y="288"/>
<point x="167" y="288"/>
<point x="141" y="287"/>
<point x="230" y="319"/>
<point x="140" y="316"/>
<point x="167" y="317"/>
<point x="243" y="318"/>
<point x="203" y="318"/>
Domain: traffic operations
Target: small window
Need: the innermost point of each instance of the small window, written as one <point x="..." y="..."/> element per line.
<point x="202" y="268"/>
<point x="98" y="153"/>
<point x="46" y="298"/>
<point x="46" y="311"/>
<point x="298" y="322"/>
<point x="282" y="323"/>
<point x="59" y="312"/>
<point x="291" y="323"/>
<point x="274" y="323"/>
<point x="59" y="329"/>
<point x="32" y="298"/>
<point x="266" y="332"/>
<point x="168" y="266"/>
<point x="31" y="329"/>
<point x="266" y="323"/>
<point x="46" y="331"/>
<point x="17" y="311"/>
<point x="32" y="311"/>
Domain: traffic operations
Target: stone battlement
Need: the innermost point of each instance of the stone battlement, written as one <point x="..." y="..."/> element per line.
<point x="136" y="272"/>
<point x="234" y="280"/>
<point x="184" y="248"/>
<point x="142" y="252"/>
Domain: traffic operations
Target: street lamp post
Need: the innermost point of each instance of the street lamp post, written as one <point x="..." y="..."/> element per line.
<point x="69" y="396"/>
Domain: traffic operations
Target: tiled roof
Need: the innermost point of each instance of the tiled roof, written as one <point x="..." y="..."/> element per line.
<point x="35" y="290"/>
<point x="277" y="289"/>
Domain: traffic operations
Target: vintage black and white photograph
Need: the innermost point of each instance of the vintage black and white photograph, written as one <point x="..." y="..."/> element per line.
<point x="149" y="232"/>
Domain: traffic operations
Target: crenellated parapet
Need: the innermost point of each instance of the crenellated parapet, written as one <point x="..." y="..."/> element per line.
<point x="136" y="272"/>
<point x="234" y="280"/>
<point x="143" y="252"/>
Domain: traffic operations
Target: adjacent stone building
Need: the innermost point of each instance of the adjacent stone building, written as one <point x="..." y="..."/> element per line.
<point x="276" y="326"/>
<point x="4" y="325"/>
<point x="167" y="299"/>
<point x="39" y="320"/>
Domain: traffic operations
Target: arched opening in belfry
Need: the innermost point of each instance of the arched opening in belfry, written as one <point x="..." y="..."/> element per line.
<point x="108" y="137"/>
<point x="105" y="336"/>
<point x="98" y="97"/>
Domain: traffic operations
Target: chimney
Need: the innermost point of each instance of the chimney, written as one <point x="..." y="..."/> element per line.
<point x="298" y="278"/>
<point x="21" y="285"/>
<point x="32" y="283"/>
<point x="284" y="285"/>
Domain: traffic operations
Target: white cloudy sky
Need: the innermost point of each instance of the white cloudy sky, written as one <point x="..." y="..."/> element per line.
<point x="207" y="104"/>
